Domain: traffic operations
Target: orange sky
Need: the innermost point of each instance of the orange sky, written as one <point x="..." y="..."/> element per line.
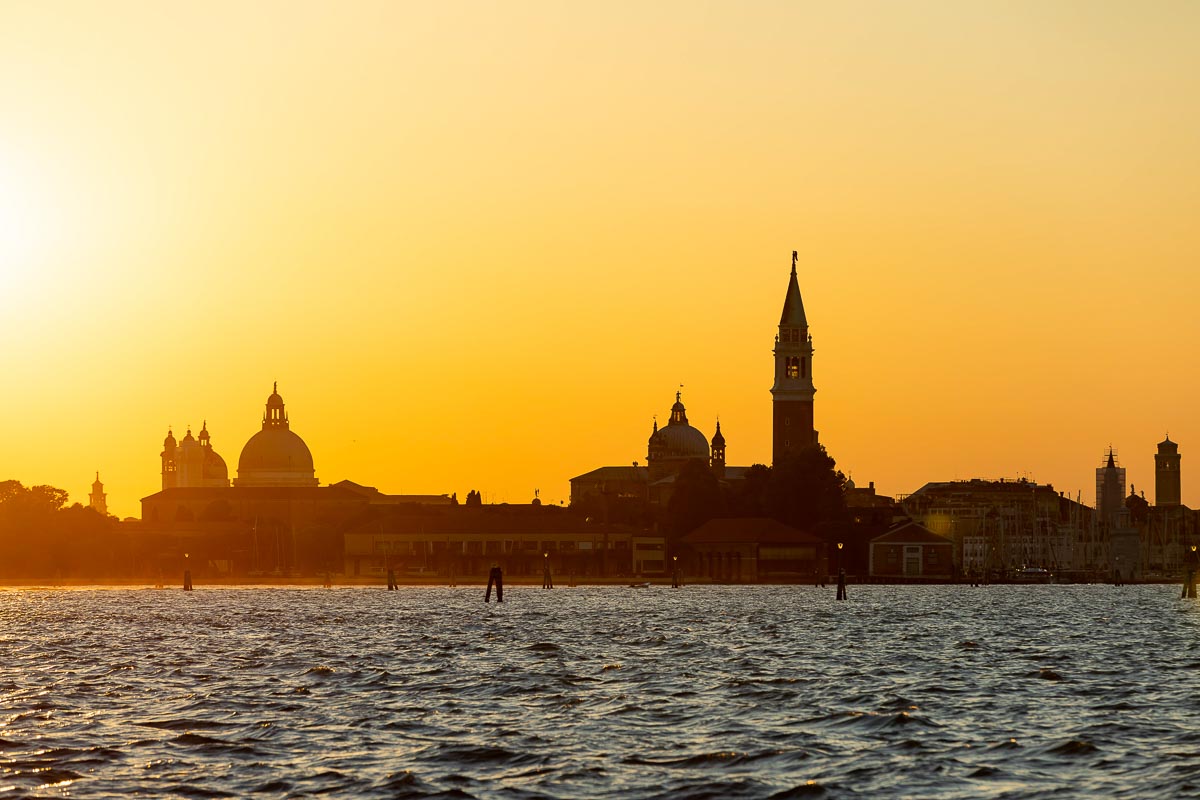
<point x="480" y="244"/>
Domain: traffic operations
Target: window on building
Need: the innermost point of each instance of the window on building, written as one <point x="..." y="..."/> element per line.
<point x="793" y="367"/>
<point x="803" y="367"/>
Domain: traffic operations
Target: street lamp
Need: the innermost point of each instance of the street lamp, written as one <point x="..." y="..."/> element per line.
<point x="839" y="544"/>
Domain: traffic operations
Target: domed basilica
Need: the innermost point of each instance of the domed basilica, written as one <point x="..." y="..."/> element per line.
<point x="613" y="491"/>
<point x="275" y="456"/>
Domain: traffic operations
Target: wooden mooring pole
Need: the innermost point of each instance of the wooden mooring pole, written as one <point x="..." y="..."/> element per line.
<point x="496" y="578"/>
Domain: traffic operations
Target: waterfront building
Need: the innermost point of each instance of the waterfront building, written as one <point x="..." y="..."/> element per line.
<point x="752" y="549"/>
<point x="910" y="550"/>
<point x="998" y="526"/>
<point x="428" y="542"/>
<point x="275" y="518"/>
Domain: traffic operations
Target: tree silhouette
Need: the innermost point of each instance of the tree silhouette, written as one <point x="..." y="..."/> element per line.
<point x="695" y="499"/>
<point x="805" y="491"/>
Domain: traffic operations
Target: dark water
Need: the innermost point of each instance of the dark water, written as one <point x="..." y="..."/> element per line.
<point x="1039" y="691"/>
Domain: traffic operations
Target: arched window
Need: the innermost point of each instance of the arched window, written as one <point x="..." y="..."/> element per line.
<point x="803" y="367"/>
<point x="793" y="367"/>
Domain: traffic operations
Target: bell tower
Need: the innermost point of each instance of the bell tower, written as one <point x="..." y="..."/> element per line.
<point x="98" y="500"/>
<point x="717" y="461"/>
<point x="1166" y="474"/>
<point x="792" y="394"/>
<point x="170" y="469"/>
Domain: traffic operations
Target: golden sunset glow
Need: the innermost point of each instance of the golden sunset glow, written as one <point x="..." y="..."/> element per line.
<point x="480" y="245"/>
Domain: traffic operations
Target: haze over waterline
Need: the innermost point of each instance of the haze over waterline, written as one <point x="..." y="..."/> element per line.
<point x="480" y="247"/>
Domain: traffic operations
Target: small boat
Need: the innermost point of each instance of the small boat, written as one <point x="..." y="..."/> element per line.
<point x="1033" y="575"/>
<point x="643" y="585"/>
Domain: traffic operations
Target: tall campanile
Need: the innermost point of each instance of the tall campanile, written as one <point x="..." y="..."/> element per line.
<point x="792" y="394"/>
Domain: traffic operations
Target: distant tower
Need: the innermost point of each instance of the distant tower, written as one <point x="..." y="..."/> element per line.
<point x="793" y="391"/>
<point x="170" y="470"/>
<point x="1166" y="474"/>
<point x="98" y="499"/>
<point x="718" y="453"/>
<point x="1110" y="492"/>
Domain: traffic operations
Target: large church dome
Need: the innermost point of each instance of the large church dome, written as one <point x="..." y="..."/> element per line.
<point x="678" y="439"/>
<point x="275" y="456"/>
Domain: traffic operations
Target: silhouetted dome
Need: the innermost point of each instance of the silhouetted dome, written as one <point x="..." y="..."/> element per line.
<point x="679" y="440"/>
<point x="275" y="456"/>
<point x="214" y="466"/>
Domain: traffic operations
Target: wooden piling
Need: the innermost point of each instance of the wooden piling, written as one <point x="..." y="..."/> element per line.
<point x="495" y="578"/>
<point x="841" y="588"/>
<point x="392" y="585"/>
<point x="187" y="580"/>
<point x="547" y="578"/>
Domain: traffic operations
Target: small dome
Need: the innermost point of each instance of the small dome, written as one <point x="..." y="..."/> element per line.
<point x="214" y="466"/>
<point x="170" y="440"/>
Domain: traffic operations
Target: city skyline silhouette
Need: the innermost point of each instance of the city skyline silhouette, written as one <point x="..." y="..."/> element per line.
<point x="480" y="248"/>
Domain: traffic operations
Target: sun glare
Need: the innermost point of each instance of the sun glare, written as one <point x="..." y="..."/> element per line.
<point x="22" y="219"/>
<point x="24" y="227"/>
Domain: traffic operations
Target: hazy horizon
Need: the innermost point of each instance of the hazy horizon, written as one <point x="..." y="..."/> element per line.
<point x="480" y="246"/>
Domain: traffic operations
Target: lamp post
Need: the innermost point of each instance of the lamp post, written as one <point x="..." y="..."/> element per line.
<point x="675" y="572"/>
<point x="187" y="574"/>
<point x="1189" y="582"/>
<point x="841" y="589"/>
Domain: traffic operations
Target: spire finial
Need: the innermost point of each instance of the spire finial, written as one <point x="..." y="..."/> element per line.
<point x="795" y="255"/>
<point x="275" y="387"/>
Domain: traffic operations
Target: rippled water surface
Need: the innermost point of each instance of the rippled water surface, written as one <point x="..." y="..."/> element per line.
<point x="911" y="691"/>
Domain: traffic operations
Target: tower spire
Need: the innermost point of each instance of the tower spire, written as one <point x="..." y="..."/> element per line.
<point x="793" y="391"/>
